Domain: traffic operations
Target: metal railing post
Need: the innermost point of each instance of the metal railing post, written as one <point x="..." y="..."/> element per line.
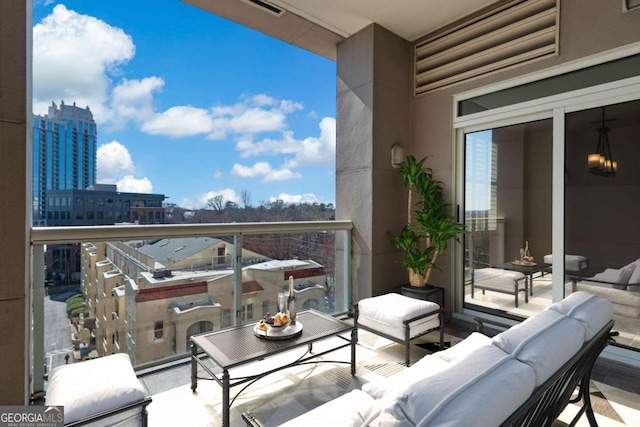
<point x="237" y="279"/>
<point x="37" y="305"/>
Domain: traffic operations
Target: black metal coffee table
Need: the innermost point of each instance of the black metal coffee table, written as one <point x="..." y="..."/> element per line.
<point x="527" y="270"/>
<point x="237" y="346"/>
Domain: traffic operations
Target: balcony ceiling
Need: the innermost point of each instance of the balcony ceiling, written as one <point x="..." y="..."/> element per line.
<point x="410" y="19"/>
<point x="319" y="25"/>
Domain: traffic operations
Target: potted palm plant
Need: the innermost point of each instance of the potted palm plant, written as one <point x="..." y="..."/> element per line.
<point x="429" y="228"/>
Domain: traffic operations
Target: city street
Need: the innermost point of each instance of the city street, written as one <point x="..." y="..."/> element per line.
<point x="57" y="334"/>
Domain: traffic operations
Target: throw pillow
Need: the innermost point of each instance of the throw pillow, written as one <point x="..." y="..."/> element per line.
<point x="635" y="277"/>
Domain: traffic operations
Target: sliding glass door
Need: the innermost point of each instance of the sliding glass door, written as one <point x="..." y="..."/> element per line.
<point x="602" y="203"/>
<point x="507" y="210"/>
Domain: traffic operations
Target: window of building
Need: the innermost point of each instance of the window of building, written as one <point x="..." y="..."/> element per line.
<point x="158" y="330"/>
<point x="225" y="317"/>
<point x="265" y="307"/>
<point x="247" y="312"/>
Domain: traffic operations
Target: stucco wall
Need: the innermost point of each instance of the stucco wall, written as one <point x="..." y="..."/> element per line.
<point x="585" y="29"/>
<point x="373" y="114"/>
<point x="15" y="215"/>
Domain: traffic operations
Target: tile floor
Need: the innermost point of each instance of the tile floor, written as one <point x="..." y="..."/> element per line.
<point x="284" y="395"/>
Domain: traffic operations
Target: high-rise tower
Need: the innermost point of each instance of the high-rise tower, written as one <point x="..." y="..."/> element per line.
<point x="64" y="153"/>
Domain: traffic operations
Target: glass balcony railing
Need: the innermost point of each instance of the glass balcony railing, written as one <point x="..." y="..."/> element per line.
<point x="146" y="289"/>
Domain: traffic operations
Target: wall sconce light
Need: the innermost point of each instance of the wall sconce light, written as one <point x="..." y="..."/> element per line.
<point x="397" y="155"/>
<point x="601" y="162"/>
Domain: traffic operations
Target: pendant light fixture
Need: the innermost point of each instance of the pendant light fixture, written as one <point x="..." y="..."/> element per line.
<point x="601" y="162"/>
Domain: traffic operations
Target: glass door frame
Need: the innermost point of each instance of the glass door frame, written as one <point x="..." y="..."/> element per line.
<point x="555" y="107"/>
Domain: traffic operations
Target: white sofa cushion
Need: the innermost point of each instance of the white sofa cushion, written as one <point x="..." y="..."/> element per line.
<point x="588" y="309"/>
<point x="95" y="386"/>
<point x="545" y="342"/>
<point x="497" y="279"/>
<point x="463" y="348"/>
<point x="424" y="368"/>
<point x="571" y="262"/>
<point x="385" y="313"/>
<point x="346" y="411"/>
<point x="635" y="276"/>
<point x="625" y="302"/>
<point x="427" y="366"/>
<point x="488" y="378"/>
<point x="614" y="275"/>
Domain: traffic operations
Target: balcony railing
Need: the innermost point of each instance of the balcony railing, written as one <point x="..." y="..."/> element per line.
<point x="126" y="329"/>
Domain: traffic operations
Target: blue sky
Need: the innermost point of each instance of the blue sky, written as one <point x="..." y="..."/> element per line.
<point x="188" y="104"/>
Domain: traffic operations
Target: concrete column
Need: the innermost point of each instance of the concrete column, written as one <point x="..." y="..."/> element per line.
<point x="15" y="194"/>
<point x="374" y="92"/>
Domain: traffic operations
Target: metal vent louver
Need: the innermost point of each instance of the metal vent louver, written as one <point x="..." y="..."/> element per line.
<point x="513" y="35"/>
<point x="265" y="6"/>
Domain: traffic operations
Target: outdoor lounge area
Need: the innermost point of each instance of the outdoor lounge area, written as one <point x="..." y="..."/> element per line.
<point x="283" y="396"/>
<point x="509" y="103"/>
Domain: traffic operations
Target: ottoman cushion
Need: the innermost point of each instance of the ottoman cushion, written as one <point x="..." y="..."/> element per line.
<point x="95" y="386"/>
<point x="386" y="313"/>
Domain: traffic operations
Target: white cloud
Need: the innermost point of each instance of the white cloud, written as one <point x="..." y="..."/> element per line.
<point x="296" y="198"/>
<point x="258" y="169"/>
<point x="311" y="151"/>
<point x="264" y="170"/>
<point x="115" y="166"/>
<point x="129" y="184"/>
<point x="180" y="122"/>
<point x="281" y="175"/>
<point x="133" y="100"/>
<point x="113" y="161"/>
<point x="317" y="151"/>
<point x="74" y="57"/>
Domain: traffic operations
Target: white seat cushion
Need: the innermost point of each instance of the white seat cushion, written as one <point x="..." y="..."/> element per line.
<point x="346" y="411"/>
<point x="498" y="279"/>
<point x="424" y="368"/>
<point x="95" y="386"/>
<point x="385" y="313"/>
<point x="482" y="390"/>
<point x="545" y="342"/>
<point x="591" y="311"/>
<point x="571" y="262"/>
<point x="464" y="348"/>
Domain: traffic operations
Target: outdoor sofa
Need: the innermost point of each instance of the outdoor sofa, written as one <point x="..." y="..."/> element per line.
<point x="524" y="376"/>
<point x="621" y="286"/>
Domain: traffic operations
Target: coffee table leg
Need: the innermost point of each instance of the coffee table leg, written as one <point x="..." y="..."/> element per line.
<point x="194" y="367"/>
<point x="225" y="398"/>
<point x="354" y="339"/>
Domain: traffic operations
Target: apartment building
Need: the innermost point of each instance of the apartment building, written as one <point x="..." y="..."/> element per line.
<point x="64" y="153"/>
<point x="152" y="315"/>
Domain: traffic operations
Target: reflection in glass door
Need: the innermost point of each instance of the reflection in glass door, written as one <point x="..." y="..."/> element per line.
<point x="602" y="232"/>
<point x="507" y="197"/>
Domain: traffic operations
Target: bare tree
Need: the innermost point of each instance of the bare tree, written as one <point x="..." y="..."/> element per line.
<point x="216" y="203"/>
<point x="246" y="198"/>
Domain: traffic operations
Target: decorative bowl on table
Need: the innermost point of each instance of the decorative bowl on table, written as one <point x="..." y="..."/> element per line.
<point x="278" y="322"/>
<point x="524" y="261"/>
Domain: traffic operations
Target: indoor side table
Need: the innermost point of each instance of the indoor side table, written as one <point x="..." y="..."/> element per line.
<point x="236" y="346"/>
